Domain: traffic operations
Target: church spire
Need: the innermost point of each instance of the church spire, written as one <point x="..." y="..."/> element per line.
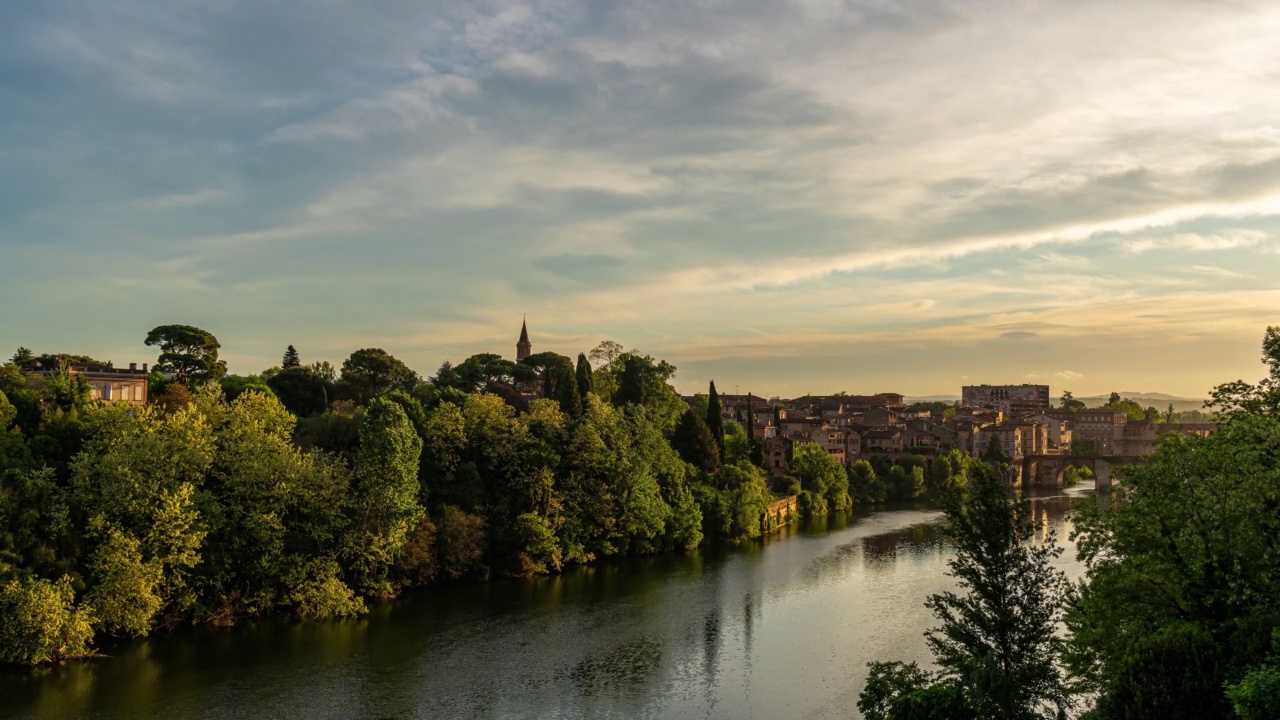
<point x="524" y="348"/>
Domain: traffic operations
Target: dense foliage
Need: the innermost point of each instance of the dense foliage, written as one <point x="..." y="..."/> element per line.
<point x="1182" y="598"/>
<point x="312" y="492"/>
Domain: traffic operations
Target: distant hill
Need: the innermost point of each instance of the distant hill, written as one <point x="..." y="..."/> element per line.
<point x="1146" y="399"/>
<point x="1157" y="400"/>
<point x="933" y="398"/>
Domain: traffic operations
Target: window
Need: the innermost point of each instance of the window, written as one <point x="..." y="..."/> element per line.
<point x="106" y="392"/>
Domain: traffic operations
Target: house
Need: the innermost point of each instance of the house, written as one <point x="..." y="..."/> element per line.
<point x="882" y="439"/>
<point x="108" y="383"/>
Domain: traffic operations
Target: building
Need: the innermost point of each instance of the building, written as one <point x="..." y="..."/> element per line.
<point x="1012" y="400"/>
<point x="1010" y="435"/>
<point x="1059" y="433"/>
<point x="108" y="383"/>
<point x="1095" y="431"/>
<point x="882" y="439"/>
<point x="524" y="348"/>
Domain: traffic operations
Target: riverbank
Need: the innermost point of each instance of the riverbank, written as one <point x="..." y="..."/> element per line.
<point x="778" y="628"/>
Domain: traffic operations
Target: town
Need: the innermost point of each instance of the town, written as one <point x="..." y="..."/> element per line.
<point x="1018" y="422"/>
<point x="1038" y="440"/>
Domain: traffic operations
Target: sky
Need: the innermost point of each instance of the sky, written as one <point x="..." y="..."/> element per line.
<point x="786" y="197"/>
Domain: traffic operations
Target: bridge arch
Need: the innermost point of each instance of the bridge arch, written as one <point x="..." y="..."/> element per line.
<point x="1049" y="470"/>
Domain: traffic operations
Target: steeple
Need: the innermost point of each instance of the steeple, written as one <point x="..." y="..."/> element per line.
<point x="524" y="348"/>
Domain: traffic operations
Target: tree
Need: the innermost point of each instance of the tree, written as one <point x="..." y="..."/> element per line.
<point x="606" y="352"/>
<point x="233" y="386"/>
<point x="1271" y="350"/>
<point x="583" y="376"/>
<point x="291" y="359"/>
<point x="373" y="372"/>
<point x="40" y="622"/>
<point x="715" y="419"/>
<point x="189" y="353"/>
<point x="995" y="451"/>
<point x="22" y="357"/>
<point x="125" y="593"/>
<point x="824" y="483"/>
<point x="1069" y="402"/>
<point x="301" y="390"/>
<point x="995" y="645"/>
<point x="386" y="490"/>
<point x="1169" y="414"/>
<point x="695" y="443"/>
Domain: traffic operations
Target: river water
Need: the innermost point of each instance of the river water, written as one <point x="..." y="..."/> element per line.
<point x="780" y="629"/>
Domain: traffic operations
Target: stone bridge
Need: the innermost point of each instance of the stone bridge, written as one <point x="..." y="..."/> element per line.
<point x="1048" y="470"/>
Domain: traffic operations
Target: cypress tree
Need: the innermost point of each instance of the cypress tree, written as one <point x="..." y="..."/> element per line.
<point x="291" y="359"/>
<point x="714" y="422"/>
<point x="584" y="376"/>
<point x="566" y="391"/>
<point x="756" y="445"/>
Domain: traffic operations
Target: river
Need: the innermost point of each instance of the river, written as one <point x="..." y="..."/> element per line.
<point x="779" y="629"/>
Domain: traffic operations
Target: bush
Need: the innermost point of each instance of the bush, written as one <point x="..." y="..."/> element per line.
<point x="40" y="623"/>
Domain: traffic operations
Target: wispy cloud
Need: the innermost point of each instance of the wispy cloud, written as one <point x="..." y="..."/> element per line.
<point x="915" y="185"/>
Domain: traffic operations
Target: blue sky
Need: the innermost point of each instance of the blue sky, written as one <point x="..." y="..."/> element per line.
<point x="789" y="197"/>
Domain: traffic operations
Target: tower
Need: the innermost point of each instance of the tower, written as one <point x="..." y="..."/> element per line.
<point x="524" y="348"/>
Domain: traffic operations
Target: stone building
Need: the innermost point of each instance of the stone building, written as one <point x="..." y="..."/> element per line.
<point x="108" y="383"/>
<point x="1102" y="429"/>
<point x="1012" y="400"/>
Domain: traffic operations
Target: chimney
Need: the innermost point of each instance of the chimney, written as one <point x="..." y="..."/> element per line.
<point x="109" y="365"/>
<point x="144" y="367"/>
<point x="133" y="367"/>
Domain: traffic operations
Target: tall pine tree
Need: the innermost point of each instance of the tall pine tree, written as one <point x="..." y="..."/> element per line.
<point x="291" y="359"/>
<point x="714" y="421"/>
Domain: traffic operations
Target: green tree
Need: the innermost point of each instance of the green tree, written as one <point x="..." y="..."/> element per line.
<point x="301" y="390"/>
<point x="233" y="386"/>
<point x="996" y="642"/>
<point x="291" y="359"/>
<point x="40" y="622"/>
<point x="1271" y="350"/>
<point x="124" y="593"/>
<point x="373" y="372"/>
<point x="189" y="353"/>
<point x="461" y="543"/>
<point x="22" y="357"/>
<point x="824" y="483"/>
<point x="386" y="489"/>
<point x="1069" y="402"/>
<point x="694" y="442"/>
<point x="715" y="419"/>
<point x="583" y="376"/>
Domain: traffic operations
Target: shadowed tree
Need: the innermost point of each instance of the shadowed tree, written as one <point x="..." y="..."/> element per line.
<point x="291" y="359"/>
<point x="715" y="421"/>
<point x="695" y="443"/>
<point x="584" y="376"/>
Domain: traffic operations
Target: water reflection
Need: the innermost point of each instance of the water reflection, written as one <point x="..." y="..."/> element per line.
<point x="783" y="628"/>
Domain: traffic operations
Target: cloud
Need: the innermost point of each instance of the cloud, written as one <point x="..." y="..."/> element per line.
<point x="923" y="175"/>
<point x="1203" y="242"/>
<point x="1068" y="375"/>
<point x="1215" y="271"/>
